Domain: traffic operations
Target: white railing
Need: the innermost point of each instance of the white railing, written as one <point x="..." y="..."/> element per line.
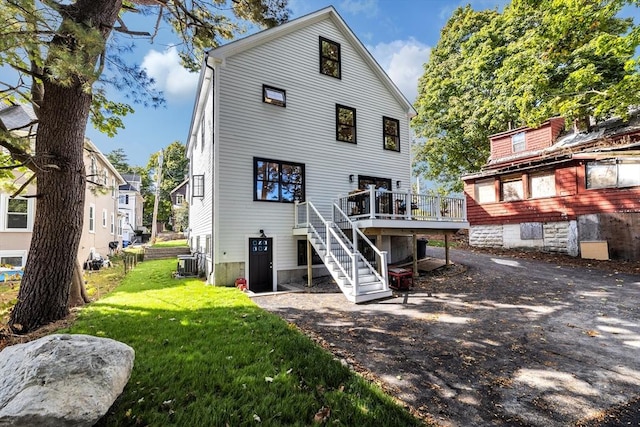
<point x="338" y="246"/>
<point x="383" y="204"/>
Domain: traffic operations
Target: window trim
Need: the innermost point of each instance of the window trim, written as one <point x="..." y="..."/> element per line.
<point x="92" y="218"/>
<point x="271" y="100"/>
<point x="15" y="254"/>
<point x="609" y="163"/>
<point x="531" y="177"/>
<point x="510" y="179"/>
<point x="338" y="124"/>
<point x="198" y="186"/>
<point x="490" y="183"/>
<point x="112" y="228"/>
<point x="322" y="58"/>
<point x="104" y="218"/>
<point x="5" y="214"/>
<point x="280" y="163"/>
<point x="385" y="134"/>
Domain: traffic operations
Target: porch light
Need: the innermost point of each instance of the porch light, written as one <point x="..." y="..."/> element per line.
<point x="351" y="178"/>
<point x="398" y="184"/>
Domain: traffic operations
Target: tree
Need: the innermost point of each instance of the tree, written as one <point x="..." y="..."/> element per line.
<point x="533" y="61"/>
<point x="119" y="160"/>
<point x="174" y="170"/>
<point x="64" y="53"/>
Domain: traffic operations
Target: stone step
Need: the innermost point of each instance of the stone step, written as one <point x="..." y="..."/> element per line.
<point x="152" y="253"/>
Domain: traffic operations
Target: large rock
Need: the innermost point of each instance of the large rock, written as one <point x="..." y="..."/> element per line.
<point x="62" y="380"/>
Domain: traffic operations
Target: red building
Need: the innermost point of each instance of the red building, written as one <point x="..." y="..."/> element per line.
<point x="556" y="191"/>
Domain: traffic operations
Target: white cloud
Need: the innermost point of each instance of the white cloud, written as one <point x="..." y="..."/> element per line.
<point x="368" y="8"/>
<point x="175" y="81"/>
<point x="403" y="61"/>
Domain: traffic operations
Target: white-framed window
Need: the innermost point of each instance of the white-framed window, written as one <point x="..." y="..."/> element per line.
<point x="511" y="189"/>
<point x="613" y="173"/>
<point x="104" y="218"/>
<point x="485" y="191"/>
<point x="198" y="186"/>
<point x="17" y="213"/>
<point x="120" y="227"/>
<point x="113" y="224"/>
<point x="518" y="142"/>
<point x="92" y="218"/>
<point x="179" y="199"/>
<point x="113" y="188"/>
<point x="14" y="258"/>
<point x="542" y="185"/>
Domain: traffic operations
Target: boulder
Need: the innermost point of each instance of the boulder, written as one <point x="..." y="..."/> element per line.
<point x="62" y="380"/>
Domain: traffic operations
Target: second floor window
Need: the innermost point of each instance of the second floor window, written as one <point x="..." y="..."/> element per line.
<point x="391" y="129"/>
<point x="345" y="124"/>
<point x="198" y="186"/>
<point x="17" y="214"/>
<point x="278" y="181"/>
<point x="330" y="58"/>
<point x="518" y="142"/>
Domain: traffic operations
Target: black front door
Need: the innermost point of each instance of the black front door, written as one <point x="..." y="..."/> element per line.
<point x="261" y="264"/>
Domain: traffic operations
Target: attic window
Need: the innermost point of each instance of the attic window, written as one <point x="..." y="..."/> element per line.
<point x="517" y="142"/>
<point x="198" y="186"/>
<point x="275" y="96"/>
<point x="330" y="58"/>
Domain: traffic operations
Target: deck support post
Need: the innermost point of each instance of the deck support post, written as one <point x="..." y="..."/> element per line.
<point x="309" y="263"/>
<point x="446" y="248"/>
<point x="415" y="255"/>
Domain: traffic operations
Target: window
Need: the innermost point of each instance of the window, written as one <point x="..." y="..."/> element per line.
<point x="518" y="142"/>
<point x="112" y="229"/>
<point x="345" y="124"/>
<point x="113" y="188"/>
<point x="13" y="258"/>
<point x="104" y="218"/>
<point x="198" y="186"/>
<point x="179" y="199"/>
<point x="17" y="214"/>
<point x="485" y="191"/>
<point x="93" y="169"/>
<point x="391" y="129"/>
<point x="330" y="58"/>
<point x="542" y="185"/>
<point x="92" y="218"/>
<point x="613" y="173"/>
<point x="275" y="96"/>
<point x="278" y="181"/>
<point x="302" y="254"/>
<point x="511" y="190"/>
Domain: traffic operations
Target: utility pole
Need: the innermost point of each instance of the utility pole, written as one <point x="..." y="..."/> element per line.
<point x="154" y="223"/>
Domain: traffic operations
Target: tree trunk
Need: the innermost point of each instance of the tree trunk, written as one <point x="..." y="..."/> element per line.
<point x="44" y="292"/>
<point x="78" y="295"/>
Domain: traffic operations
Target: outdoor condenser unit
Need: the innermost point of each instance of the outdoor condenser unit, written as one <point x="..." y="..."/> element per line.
<point x="187" y="265"/>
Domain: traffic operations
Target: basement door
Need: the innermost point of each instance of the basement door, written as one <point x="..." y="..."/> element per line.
<point x="261" y="264"/>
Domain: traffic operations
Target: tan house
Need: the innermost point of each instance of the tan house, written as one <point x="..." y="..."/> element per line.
<point x="101" y="219"/>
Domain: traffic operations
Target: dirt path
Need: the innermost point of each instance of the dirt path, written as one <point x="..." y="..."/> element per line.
<point x="507" y="342"/>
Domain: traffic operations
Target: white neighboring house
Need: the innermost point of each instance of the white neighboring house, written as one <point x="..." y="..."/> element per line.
<point x="286" y="122"/>
<point x="101" y="205"/>
<point x="130" y="206"/>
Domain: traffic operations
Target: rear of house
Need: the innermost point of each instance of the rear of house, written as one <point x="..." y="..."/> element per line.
<point x="301" y="112"/>
<point x="568" y="192"/>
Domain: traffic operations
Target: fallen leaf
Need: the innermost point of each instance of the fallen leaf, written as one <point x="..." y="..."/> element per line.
<point x="322" y="415"/>
<point x="256" y="418"/>
<point x="592" y="333"/>
<point x="268" y="379"/>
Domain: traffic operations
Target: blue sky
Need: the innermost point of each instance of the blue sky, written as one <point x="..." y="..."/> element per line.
<point x="399" y="34"/>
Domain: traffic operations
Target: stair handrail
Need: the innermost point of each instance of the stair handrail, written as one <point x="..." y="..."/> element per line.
<point x="383" y="275"/>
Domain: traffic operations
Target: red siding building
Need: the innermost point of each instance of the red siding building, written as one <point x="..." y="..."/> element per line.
<point x="556" y="191"/>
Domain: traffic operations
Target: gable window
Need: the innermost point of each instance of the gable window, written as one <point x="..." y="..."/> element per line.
<point x="92" y="218"/>
<point x="198" y="186"/>
<point x="104" y="218"/>
<point x="113" y="188"/>
<point x="179" y="199"/>
<point x="275" y="96"/>
<point x="391" y="129"/>
<point x="17" y="214"/>
<point x="485" y="191"/>
<point x="518" y="142"/>
<point x="278" y="181"/>
<point x="542" y="185"/>
<point x="330" y="58"/>
<point x="511" y="189"/>
<point x="613" y="173"/>
<point x="345" y="123"/>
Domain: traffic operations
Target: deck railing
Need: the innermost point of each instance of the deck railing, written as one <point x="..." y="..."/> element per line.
<point x="383" y="204"/>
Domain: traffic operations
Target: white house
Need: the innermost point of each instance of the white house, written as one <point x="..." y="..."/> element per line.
<point x="130" y="206"/>
<point x="288" y="125"/>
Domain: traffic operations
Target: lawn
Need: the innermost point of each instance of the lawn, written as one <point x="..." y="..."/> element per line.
<point x="170" y="243"/>
<point x="208" y="356"/>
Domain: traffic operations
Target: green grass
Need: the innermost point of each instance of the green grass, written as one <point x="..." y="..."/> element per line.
<point x="208" y="356"/>
<point x="170" y="243"/>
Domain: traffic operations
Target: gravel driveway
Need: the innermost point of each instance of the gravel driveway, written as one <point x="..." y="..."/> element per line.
<point x="504" y="342"/>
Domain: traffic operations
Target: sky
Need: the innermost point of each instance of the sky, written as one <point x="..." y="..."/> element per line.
<point x="398" y="33"/>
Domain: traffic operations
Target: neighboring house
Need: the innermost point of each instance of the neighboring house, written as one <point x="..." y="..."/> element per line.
<point x="179" y="206"/>
<point x="286" y="122"/>
<point x="130" y="206"/>
<point x="576" y="192"/>
<point x="18" y="213"/>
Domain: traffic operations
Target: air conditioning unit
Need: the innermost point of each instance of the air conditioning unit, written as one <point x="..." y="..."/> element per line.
<point x="187" y="265"/>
